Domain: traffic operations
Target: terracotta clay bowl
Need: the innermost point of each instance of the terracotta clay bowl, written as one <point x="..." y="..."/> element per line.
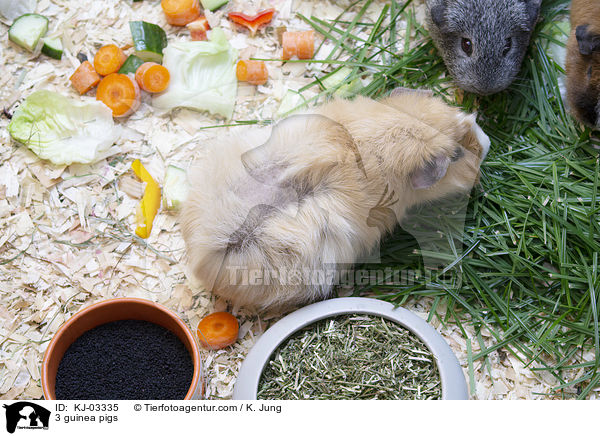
<point x="115" y="310"/>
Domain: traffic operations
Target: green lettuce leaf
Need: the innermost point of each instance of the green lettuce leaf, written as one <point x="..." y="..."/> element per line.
<point x="202" y="75"/>
<point x="555" y="46"/>
<point x="63" y="130"/>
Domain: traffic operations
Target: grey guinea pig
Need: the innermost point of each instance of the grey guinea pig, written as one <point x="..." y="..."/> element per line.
<point x="583" y="62"/>
<point x="482" y="42"/>
<point x="319" y="190"/>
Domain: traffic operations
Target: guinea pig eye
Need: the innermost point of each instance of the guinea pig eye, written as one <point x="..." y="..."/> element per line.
<point x="467" y="46"/>
<point x="507" y="47"/>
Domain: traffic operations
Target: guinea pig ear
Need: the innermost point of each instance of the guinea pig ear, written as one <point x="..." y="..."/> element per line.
<point x="438" y="13"/>
<point x="588" y="42"/>
<point x="431" y="173"/>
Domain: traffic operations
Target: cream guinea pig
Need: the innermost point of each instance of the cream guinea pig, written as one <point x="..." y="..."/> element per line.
<point x="318" y="190"/>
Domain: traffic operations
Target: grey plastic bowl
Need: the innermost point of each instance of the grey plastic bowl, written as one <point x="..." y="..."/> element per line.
<point x="454" y="386"/>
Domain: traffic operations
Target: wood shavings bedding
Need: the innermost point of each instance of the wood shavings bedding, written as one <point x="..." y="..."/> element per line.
<point x="66" y="233"/>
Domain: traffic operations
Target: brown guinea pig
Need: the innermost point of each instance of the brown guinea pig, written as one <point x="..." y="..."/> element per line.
<point x="583" y="61"/>
<point x="272" y="212"/>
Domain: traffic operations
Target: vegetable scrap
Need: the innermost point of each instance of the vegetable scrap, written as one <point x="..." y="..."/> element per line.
<point x="213" y="5"/>
<point x="152" y="77"/>
<point x="12" y="10"/>
<point x="64" y="130"/>
<point x="218" y="330"/>
<point x="85" y="77"/>
<point x="109" y="59"/>
<point x="299" y="44"/>
<point x="131" y="65"/>
<point x="252" y="22"/>
<point x="53" y="48"/>
<point x="198" y="28"/>
<point x="176" y="187"/>
<point x="351" y="357"/>
<point x="149" y="40"/>
<point x="148" y="207"/>
<point x="180" y="12"/>
<point x="337" y="83"/>
<point x="202" y="75"/>
<point x="291" y="102"/>
<point x="253" y="72"/>
<point x="27" y="31"/>
<point x="120" y="93"/>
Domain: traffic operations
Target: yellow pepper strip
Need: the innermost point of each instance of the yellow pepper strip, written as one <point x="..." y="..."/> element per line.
<point x="150" y="201"/>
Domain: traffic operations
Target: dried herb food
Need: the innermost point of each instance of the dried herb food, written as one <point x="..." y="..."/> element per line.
<point x="351" y="357"/>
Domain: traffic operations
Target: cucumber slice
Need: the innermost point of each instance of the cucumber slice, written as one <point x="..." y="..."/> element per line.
<point x="53" y="47"/>
<point x="175" y="188"/>
<point x="292" y="101"/>
<point x="132" y="63"/>
<point x="27" y="30"/>
<point x="335" y="83"/>
<point x="148" y="41"/>
<point x="211" y="5"/>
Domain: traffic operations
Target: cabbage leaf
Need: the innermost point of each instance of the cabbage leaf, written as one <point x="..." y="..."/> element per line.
<point x="202" y="75"/>
<point x="13" y="9"/>
<point x="64" y="130"/>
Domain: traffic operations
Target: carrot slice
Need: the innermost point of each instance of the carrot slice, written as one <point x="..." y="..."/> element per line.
<point x="109" y="59"/>
<point x="152" y="77"/>
<point x="300" y="44"/>
<point x="253" y="72"/>
<point x="180" y="12"/>
<point x="120" y="93"/>
<point x="85" y="77"/>
<point x="218" y="330"/>
<point x="198" y="28"/>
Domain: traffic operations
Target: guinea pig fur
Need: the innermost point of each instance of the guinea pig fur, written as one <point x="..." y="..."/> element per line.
<point x="482" y="42"/>
<point x="583" y="62"/>
<point x="318" y="189"/>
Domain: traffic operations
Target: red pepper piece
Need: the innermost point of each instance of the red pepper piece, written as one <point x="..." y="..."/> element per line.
<point x="253" y="23"/>
<point x="198" y="28"/>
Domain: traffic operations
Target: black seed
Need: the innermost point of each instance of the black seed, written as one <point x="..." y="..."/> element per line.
<point x="82" y="57"/>
<point x="125" y="360"/>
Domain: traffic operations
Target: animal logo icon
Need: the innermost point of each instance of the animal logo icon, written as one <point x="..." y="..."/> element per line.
<point x="25" y="414"/>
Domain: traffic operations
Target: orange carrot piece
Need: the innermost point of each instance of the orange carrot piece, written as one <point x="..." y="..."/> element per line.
<point x="253" y="72"/>
<point x="85" y="77"/>
<point x="180" y="12"/>
<point x="300" y="44"/>
<point x="120" y="93"/>
<point x="109" y="59"/>
<point x="198" y="28"/>
<point x="152" y="77"/>
<point x="218" y="330"/>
